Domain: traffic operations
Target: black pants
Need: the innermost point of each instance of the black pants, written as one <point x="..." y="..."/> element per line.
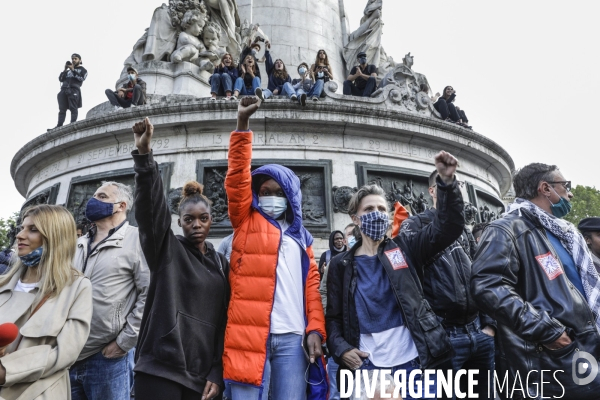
<point x="150" y="387"/>
<point x="351" y="89"/>
<point x="447" y="110"/>
<point x="463" y="116"/>
<point x="115" y="100"/>
<point x="68" y="99"/>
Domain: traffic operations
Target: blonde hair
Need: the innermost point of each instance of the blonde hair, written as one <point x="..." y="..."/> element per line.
<point x="59" y="240"/>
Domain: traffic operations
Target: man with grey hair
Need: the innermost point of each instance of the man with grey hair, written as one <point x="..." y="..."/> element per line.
<point x="535" y="276"/>
<point x="110" y="255"/>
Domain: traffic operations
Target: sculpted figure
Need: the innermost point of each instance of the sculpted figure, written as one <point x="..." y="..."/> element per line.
<point x="367" y="37"/>
<point x="225" y="13"/>
<point x="158" y="42"/>
<point x="189" y="45"/>
<point x="211" y="39"/>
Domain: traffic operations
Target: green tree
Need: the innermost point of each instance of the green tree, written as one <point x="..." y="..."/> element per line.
<point x="5" y="226"/>
<point x="586" y="203"/>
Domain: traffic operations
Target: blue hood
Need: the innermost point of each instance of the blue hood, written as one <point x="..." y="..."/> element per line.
<point x="290" y="184"/>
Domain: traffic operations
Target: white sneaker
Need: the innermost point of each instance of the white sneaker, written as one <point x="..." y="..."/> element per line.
<point x="233" y="98"/>
<point x="294" y="97"/>
<point x="213" y="98"/>
<point x="259" y="93"/>
<point x="315" y="98"/>
<point x="132" y="105"/>
<point x="117" y="108"/>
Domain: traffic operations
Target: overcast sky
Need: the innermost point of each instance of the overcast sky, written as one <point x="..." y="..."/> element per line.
<point x="526" y="72"/>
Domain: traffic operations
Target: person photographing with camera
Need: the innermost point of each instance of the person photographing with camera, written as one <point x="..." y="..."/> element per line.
<point x="69" y="97"/>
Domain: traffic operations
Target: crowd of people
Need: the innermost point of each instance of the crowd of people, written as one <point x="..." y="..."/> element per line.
<point x="143" y="310"/>
<point x="232" y="79"/>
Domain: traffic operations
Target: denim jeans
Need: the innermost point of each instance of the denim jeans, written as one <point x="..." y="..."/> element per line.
<point x="473" y="349"/>
<point x="408" y="367"/>
<point x="243" y="90"/>
<point x="100" y="378"/>
<point x="286" y="90"/>
<point x="314" y="91"/>
<point x="351" y="89"/>
<point x="220" y="84"/>
<point x="284" y="371"/>
<point x="332" y="368"/>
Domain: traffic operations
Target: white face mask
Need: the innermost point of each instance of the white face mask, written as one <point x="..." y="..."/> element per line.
<point x="321" y="74"/>
<point x="132" y="77"/>
<point x="273" y="206"/>
<point x="302" y="71"/>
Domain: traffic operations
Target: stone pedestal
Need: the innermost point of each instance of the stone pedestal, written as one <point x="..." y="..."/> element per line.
<point x="334" y="145"/>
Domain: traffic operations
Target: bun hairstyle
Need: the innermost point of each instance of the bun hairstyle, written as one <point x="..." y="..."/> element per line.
<point x="192" y="193"/>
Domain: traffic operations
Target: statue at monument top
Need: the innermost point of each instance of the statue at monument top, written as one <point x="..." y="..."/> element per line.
<point x="160" y="40"/>
<point x="367" y="37"/>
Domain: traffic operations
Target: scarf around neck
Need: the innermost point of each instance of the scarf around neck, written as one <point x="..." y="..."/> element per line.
<point x="574" y="243"/>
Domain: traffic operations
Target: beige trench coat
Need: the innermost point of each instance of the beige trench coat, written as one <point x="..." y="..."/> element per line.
<point x="52" y="340"/>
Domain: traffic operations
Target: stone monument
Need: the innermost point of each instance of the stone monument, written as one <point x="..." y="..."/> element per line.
<point x="334" y="145"/>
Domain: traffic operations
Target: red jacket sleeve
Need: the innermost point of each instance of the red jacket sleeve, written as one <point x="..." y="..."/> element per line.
<point x="238" y="182"/>
<point x="400" y="214"/>
<point x="314" y="307"/>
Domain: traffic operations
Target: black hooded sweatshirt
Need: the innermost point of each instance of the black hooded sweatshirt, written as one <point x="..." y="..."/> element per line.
<point x="182" y="332"/>
<point x="332" y="250"/>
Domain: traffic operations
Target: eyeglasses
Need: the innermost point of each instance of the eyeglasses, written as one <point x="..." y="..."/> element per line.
<point x="566" y="184"/>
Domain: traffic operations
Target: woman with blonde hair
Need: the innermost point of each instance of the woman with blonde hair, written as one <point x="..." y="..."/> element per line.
<point x="50" y="302"/>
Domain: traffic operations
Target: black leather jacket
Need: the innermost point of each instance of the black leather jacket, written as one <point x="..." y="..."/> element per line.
<point x="430" y="338"/>
<point x="447" y="281"/>
<point x="531" y="308"/>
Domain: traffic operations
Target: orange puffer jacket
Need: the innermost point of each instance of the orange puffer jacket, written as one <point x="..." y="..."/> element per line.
<point x="254" y="258"/>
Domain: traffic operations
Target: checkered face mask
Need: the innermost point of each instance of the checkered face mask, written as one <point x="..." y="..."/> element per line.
<point x="374" y="224"/>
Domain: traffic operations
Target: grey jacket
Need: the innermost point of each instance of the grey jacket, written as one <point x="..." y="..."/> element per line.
<point x="120" y="278"/>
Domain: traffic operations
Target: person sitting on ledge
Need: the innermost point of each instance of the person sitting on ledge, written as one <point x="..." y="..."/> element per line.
<point x="444" y="104"/>
<point x="362" y="79"/>
<point x="131" y="94"/>
<point x="249" y="79"/>
<point x="307" y="85"/>
<point x="278" y="78"/>
<point x="321" y="68"/>
<point x="252" y="49"/>
<point x="221" y="81"/>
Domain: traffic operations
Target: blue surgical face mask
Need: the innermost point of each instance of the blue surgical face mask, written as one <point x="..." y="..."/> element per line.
<point x="132" y="77"/>
<point x="562" y="208"/>
<point x="351" y="241"/>
<point x="362" y="60"/>
<point x="32" y="259"/>
<point x="96" y="210"/>
<point x="254" y="52"/>
<point x="302" y="71"/>
<point x="273" y="206"/>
